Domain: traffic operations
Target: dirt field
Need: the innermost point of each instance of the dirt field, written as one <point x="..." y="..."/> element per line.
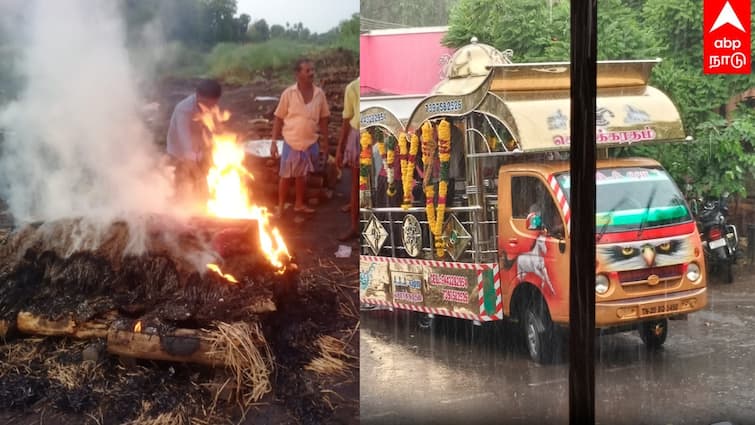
<point x="314" y="340"/>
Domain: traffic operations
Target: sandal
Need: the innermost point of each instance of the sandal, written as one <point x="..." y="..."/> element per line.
<point x="305" y="210"/>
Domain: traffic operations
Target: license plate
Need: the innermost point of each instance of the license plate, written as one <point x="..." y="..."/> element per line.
<point x="653" y="310"/>
<point x="718" y="243"/>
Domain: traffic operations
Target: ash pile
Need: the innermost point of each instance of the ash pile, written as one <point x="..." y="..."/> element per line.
<point x="79" y="271"/>
<point x="153" y="289"/>
<point x="133" y="307"/>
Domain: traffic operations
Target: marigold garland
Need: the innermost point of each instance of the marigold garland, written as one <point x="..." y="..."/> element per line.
<point x="428" y="150"/>
<point x="444" y="154"/>
<point x="365" y="164"/>
<point x="407" y="167"/>
<point x="428" y="153"/>
<point x="413" y="149"/>
<point x="381" y="145"/>
<point x="403" y="152"/>
<point x="389" y="167"/>
<point x="430" y="207"/>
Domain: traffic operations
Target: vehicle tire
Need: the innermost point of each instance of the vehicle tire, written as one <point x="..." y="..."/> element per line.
<point x="654" y="333"/>
<point x="539" y="334"/>
<point x="730" y="271"/>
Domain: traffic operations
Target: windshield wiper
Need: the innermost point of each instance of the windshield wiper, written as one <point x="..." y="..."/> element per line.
<point x="608" y="219"/>
<point x="647" y="210"/>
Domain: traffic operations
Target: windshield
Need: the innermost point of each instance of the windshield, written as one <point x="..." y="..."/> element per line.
<point x="634" y="198"/>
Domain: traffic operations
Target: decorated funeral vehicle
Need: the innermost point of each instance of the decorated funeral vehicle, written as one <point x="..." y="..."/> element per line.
<point x="465" y="202"/>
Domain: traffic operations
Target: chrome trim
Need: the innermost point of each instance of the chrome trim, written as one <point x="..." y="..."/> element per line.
<point x="655" y="298"/>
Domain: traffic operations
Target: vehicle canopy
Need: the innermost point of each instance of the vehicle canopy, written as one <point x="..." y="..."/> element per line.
<point x="374" y="117"/>
<point x="532" y="101"/>
<point x="500" y="110"/>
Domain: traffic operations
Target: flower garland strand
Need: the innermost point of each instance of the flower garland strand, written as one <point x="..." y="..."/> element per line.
<point x="365" y="163"/>
<point x="403" y="152"/>
<point x="389" y="167"/>
<point x="407" y="167"/>
<point x="413" y="149"/>
<point x="428" y="152"/>
<point x="444" y="154"/>
<point x="381" y="145"/>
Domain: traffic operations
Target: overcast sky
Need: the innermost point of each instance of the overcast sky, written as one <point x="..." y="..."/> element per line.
<point x="318" y="16"/>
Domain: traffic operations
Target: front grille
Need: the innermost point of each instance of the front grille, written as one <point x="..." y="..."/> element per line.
<point x="641" y="275"/>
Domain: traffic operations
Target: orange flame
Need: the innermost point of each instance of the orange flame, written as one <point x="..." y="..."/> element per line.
<point x="229" y="197"/>
<point x="138" y="326"/>
<point x="226" y="276"/>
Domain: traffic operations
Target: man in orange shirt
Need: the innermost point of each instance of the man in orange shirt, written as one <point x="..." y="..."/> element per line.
<point x="302" y="110"/>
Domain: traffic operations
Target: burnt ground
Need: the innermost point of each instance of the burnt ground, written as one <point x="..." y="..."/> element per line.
<point x="47" y="381"/>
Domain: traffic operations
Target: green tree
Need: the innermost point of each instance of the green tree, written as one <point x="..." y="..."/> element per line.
<point x="259" y="31"/>
<point x="219" y="21"/>
<point x="277" y="31"/>
<point x="404" y="13"/>
<point x="348" y="31"/>
<point x="243" y="25"/>
<point x="536" y="30"/>
<point x="721" y="158"/>
<point x="530" y="28"/>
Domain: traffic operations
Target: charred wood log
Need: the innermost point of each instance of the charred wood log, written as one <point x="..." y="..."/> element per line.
<point x="148" y="340"/>
<point x="186" y="345"/>
<point x="34" y="324"/>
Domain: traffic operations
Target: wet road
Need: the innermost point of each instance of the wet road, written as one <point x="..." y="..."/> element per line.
<point x="460" y="374"/>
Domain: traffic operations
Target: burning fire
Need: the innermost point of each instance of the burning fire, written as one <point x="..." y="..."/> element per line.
<point x="229" y="197"/>
<point x="226" y="276"/>
<point x="138" y="326"/>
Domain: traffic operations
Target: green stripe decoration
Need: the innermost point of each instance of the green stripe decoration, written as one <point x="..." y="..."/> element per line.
<point x="488" y="291"/>
<point x="635" y="216"/>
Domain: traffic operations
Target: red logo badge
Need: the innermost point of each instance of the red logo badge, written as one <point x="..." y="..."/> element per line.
<point x="726" y="37"/>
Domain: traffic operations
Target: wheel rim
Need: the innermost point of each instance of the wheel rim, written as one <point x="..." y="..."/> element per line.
<point x="425" y="322"/>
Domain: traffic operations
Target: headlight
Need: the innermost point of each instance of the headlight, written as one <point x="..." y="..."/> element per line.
<point x="601" y="284"/>
<point x="693" y="272"/>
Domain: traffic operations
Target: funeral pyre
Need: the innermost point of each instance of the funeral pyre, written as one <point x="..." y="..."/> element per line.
<point x="204" y="290"/>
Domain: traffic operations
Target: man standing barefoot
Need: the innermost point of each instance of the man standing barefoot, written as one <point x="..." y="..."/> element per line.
<point x="302" y="109"/>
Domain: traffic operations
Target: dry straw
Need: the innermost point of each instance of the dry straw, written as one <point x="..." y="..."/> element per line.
<point x="331" y="359"/>
<point x="242" y="348"/>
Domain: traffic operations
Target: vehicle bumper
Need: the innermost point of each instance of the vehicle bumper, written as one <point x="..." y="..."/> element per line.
<point x="616" y="313"/>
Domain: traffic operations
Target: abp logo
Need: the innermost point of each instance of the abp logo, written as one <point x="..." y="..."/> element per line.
<point x="726" y="37"/>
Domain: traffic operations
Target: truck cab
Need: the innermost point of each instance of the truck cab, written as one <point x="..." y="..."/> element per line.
<point x="649" y="262"/>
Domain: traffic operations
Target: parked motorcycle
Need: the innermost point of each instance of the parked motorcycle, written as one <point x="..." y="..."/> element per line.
<point x="720" y="239"/>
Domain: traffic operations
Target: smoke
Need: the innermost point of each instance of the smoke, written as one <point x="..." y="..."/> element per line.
<point x="74" y="142"/>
